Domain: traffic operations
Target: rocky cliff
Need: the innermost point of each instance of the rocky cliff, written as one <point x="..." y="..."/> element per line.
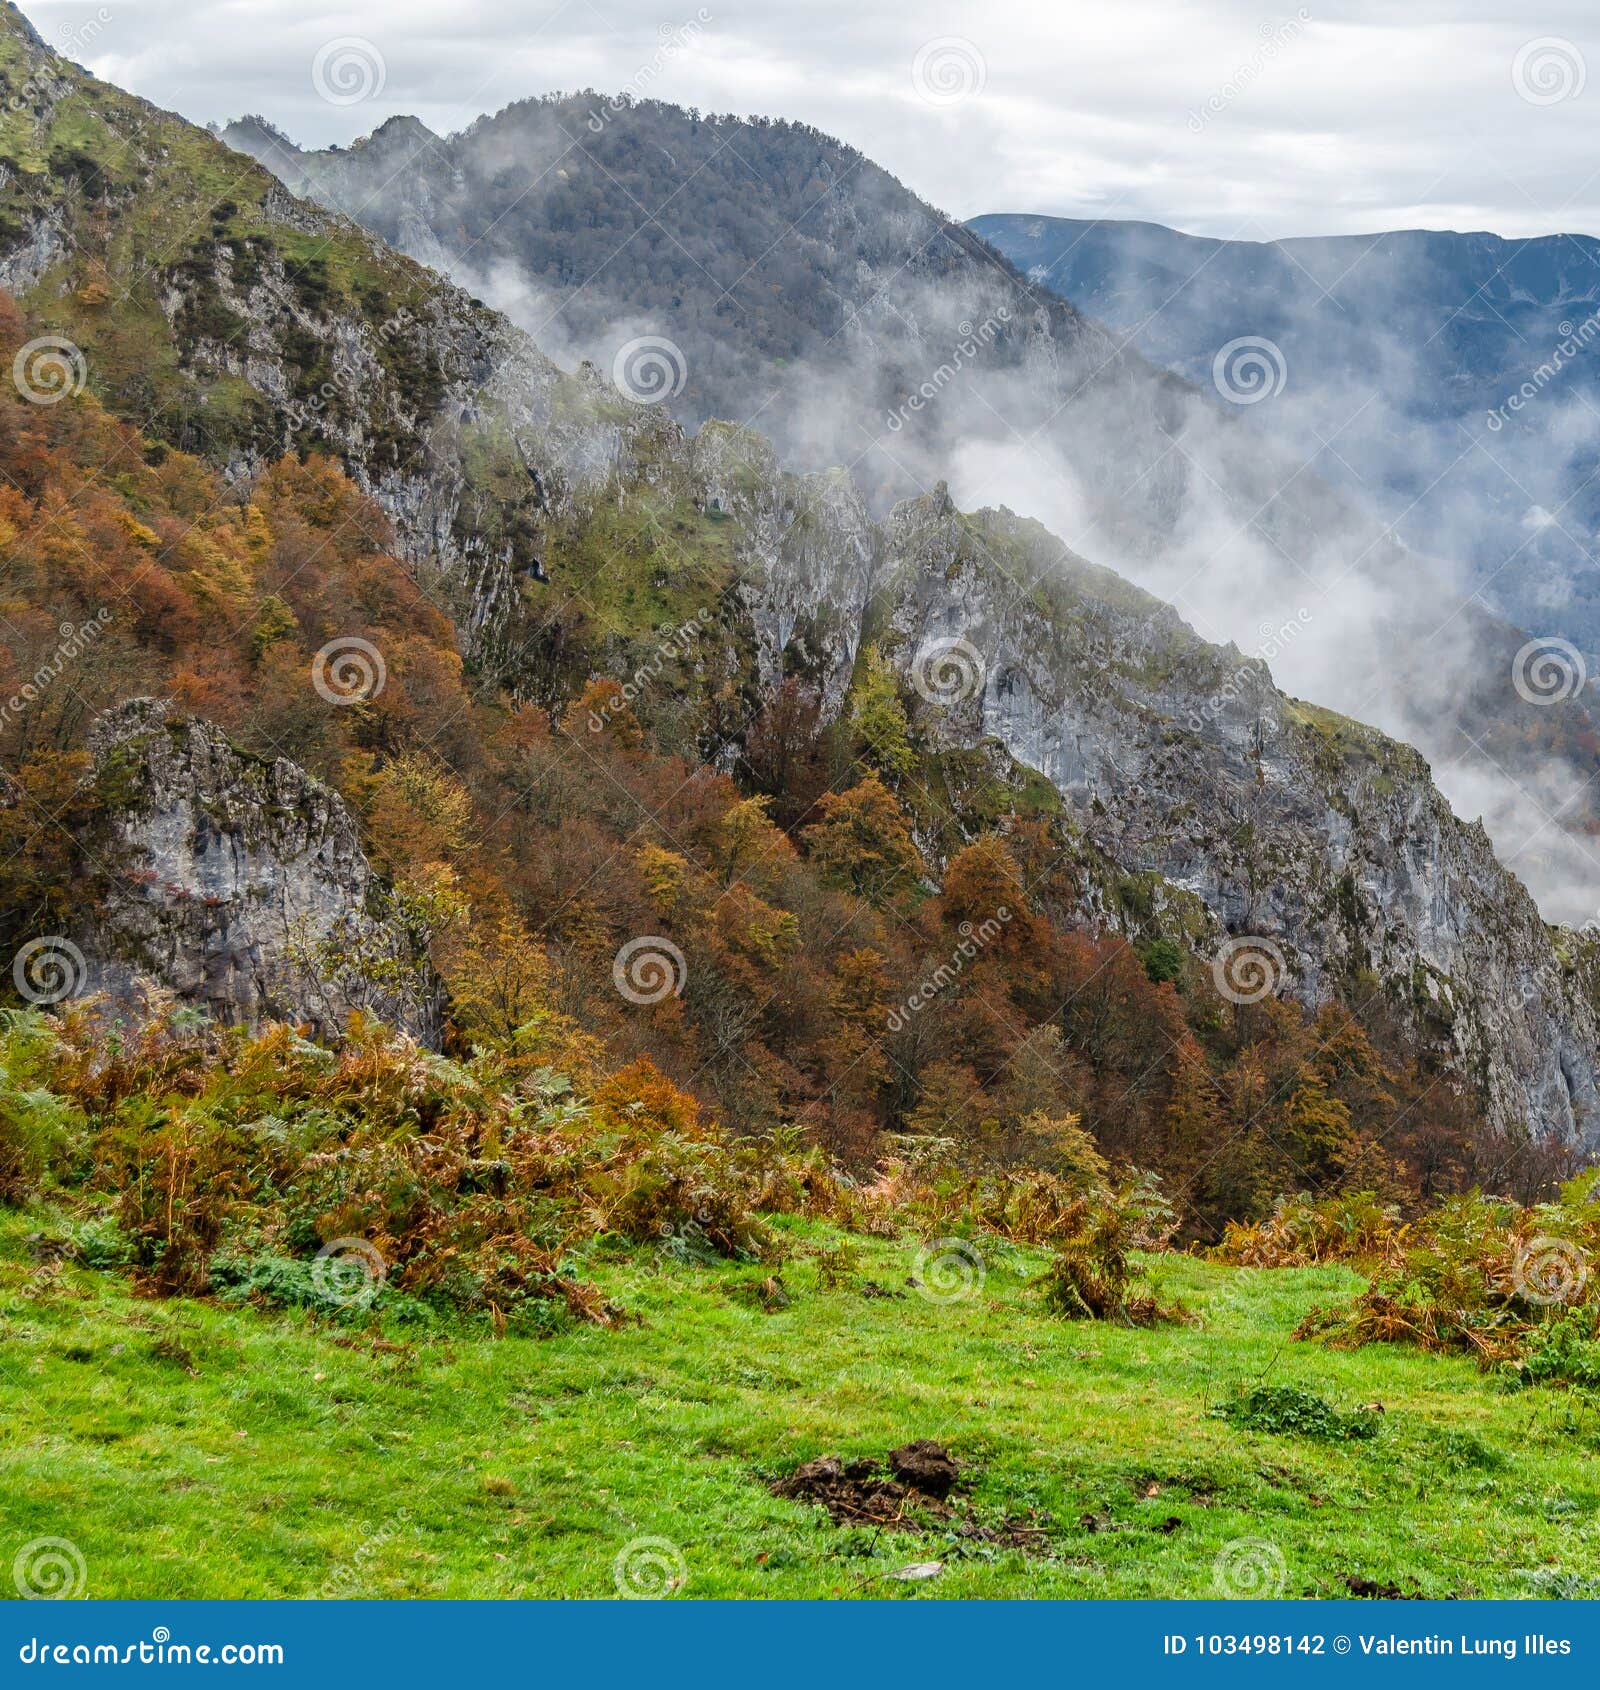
<point x="239" y="883"/>
<point x="1321" y="852"/>
<point x="787" y="278"/>
<point x="1297" y="849"/>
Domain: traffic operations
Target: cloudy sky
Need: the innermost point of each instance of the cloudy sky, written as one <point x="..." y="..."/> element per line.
<point x="1230" y="117"/>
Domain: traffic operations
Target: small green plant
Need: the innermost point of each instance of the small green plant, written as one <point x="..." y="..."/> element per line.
<point x="1558" y="1584"/>
<point x="100" y="1243"/>
<point x="1162" y="959"/>
<point x="1459" y="1451"/>
<point x="1291" y="1411"/>
<point x="838" y="1265"/>
<point x="1565" y="1351"/>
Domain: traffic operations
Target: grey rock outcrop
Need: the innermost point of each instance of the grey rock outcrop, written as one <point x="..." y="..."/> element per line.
<point x="239" y="884"/>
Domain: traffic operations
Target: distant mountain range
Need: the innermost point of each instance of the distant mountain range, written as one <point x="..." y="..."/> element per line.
<point x="1453" y="378"/>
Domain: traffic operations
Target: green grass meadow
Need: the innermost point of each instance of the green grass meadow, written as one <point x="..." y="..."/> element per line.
<point x="190" y="1449"/>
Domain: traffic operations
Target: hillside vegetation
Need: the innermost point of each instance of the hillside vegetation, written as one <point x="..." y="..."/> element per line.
<point x="830" y="1154"/>
<point x="802" y="969"/>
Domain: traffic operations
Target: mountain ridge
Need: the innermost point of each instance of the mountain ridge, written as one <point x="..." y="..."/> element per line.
<point x="564" y="528"/>
<point x="799" y="286"/>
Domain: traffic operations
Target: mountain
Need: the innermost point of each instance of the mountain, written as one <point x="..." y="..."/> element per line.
<point x="763" y="272"/>
<point x="1047" y="855"/>
<point x="1451" y="376"/>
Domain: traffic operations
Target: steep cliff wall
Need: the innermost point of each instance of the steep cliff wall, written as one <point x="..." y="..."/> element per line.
<point x="240" y="884"/>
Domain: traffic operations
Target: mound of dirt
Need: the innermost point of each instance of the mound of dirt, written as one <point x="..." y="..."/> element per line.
<point x="857" y="1493"/>
<point x="912" y="1495"/>
<point x="925" y="1466"/>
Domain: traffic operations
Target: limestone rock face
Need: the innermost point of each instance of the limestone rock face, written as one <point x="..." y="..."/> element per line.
<point x="239" y="884"/>
<point x="1300" y="849"/>
<point x="810" y="551"/>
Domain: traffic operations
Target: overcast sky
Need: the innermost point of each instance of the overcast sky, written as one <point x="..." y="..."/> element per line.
<point x="1225" y="118"/>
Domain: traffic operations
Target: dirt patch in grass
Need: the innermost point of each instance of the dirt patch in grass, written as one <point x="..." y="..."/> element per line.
<point x="1371" y="1588"/>
<point x="913" y="1482"/>
<point x="909" y="1490"/>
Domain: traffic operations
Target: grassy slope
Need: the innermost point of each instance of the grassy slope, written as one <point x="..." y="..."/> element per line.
<point x="299" y="1459"/>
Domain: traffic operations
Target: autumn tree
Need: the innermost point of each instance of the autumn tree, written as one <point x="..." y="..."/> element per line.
<point x="786" y="753"/>
<point x="878" y="721"/>
<point x="862" y="841"/>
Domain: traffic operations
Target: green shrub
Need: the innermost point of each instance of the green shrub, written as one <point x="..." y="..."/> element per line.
<point x="100" y="1243"/>
<point x="1094" y="1275"/>
<point x="1563" y="1351"/>
<point x="1293" y="1412"/>
<point x="1162" y="959"/>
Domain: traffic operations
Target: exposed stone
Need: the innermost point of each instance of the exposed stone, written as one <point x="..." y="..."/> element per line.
<point x="235" y="880"/>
